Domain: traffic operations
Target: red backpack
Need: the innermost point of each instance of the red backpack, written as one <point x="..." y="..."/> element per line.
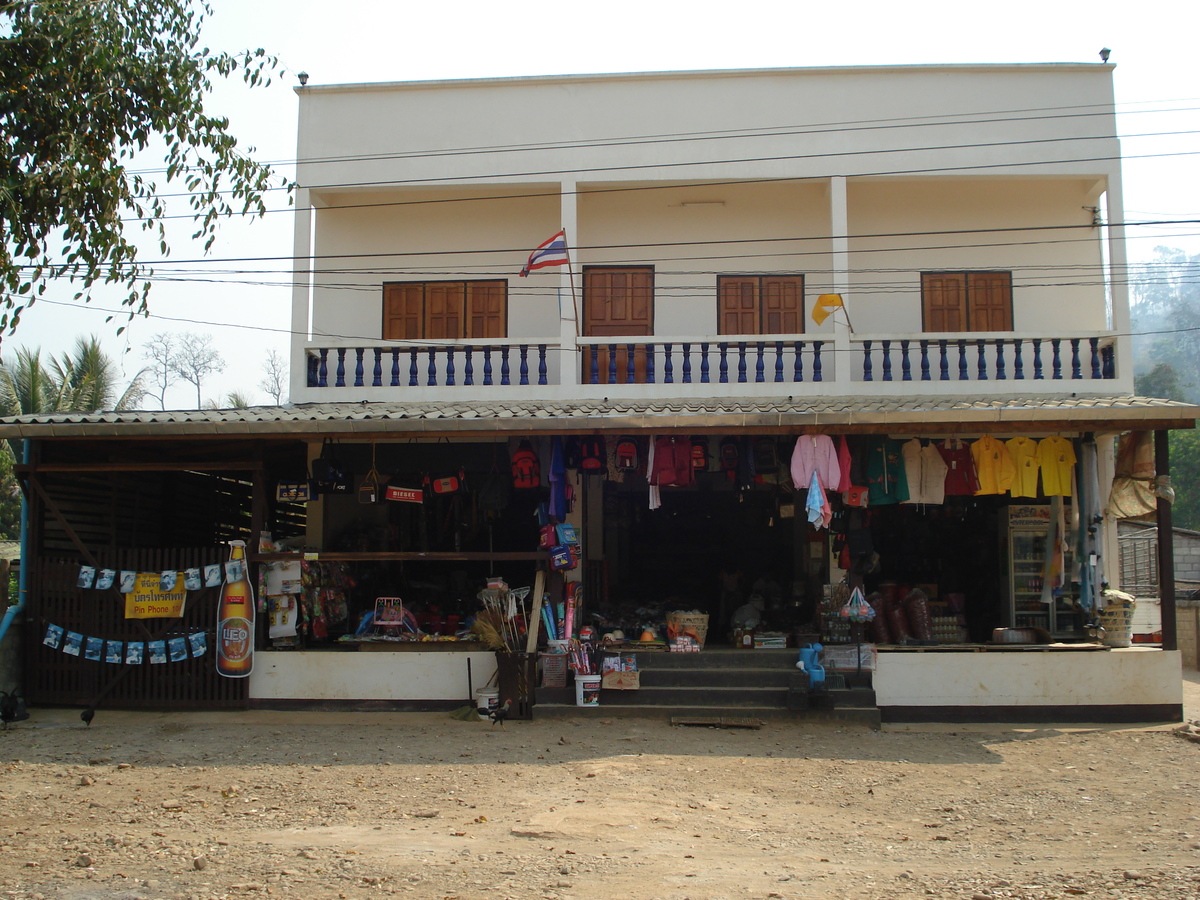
<point x="627" y="453"/>
<point x="729" y="457"/>
<point x="592" y="454"/>
<point x="526" y="467"/>
<point x="700" y="454"/>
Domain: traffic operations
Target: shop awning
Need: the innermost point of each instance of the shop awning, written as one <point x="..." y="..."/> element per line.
<point x="862" y="415"/>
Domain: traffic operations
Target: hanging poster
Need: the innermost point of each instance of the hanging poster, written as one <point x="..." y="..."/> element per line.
<point x="134" y="653"/>
<point x="148" y="600"/>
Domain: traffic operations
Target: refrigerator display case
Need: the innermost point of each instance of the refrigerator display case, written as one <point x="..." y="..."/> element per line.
<point x="1028" y="531"/>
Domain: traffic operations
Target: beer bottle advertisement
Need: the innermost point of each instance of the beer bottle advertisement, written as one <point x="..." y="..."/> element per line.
<point x="235" y="617"/>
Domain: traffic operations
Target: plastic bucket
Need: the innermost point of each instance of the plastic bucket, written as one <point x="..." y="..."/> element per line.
<point x="487" y="699"/>
<point x="587" y="690"/>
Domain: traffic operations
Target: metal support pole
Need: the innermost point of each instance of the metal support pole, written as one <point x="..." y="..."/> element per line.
<point x="1166" y="546"/>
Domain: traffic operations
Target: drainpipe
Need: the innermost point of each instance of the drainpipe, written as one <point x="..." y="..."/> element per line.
<point x="13" y="611"/>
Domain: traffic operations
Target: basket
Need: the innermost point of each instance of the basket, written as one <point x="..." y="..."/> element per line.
<point x="680" y="623"/>
<point x="1117" y="622"/>
<point x="554" y="670"/>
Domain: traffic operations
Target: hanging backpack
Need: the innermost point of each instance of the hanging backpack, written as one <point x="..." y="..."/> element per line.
<point x="700" y="454"/>
<point x="572" y="456"/>
<point x="592" y="455"/>
<point x="627" y="453"/>
<point x="729" y="456"/>
<point x="526" y="467"/>
<point x="766" y="456"/>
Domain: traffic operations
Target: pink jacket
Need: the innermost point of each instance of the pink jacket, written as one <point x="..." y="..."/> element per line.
<point x="815" y="453"/>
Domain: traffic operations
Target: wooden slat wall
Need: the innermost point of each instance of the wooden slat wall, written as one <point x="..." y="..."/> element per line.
<point x="53" y="677"/>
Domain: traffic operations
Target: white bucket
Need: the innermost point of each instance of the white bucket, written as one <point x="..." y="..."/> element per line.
<point x="487" y="699"/>
<point x="587" y="690"/>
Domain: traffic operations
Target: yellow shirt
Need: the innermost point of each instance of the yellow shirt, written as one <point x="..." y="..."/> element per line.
<point x="993" y="466"/>
<point x="1023" y="451"/>
<point x="1057" y="459"/>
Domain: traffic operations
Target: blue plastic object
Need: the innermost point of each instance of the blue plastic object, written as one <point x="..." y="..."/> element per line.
<point x="808" y="662"/>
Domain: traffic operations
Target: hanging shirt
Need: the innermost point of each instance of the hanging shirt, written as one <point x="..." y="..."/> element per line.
<point x="558" y="479"/>
<point x="844" y="459"/>
<point x="1056" y="456"/>
<point x="994" y="466"/>
<point x="960" y="468"/>
<point x="655" y="493"/>
<point x="911" y="453"/>
<point x="886" y="477"/>
<point x="1023" y="451"/>
<point x="816" y="453"/>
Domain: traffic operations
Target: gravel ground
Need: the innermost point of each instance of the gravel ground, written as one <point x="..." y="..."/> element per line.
<point x="330" y="805"/>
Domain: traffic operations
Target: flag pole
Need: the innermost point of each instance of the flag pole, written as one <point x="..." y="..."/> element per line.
<point x="571" y="275"/>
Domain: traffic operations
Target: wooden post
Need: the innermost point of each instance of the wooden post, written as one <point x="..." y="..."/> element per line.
<point x="535" y="614"/>
<point x="1166" y="546"/>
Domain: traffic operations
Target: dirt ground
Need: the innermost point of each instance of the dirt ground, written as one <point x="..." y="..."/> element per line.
<point x="332" y="805"/>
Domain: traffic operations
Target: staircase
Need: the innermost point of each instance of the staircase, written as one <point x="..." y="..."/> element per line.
<point x="724" y="683"/>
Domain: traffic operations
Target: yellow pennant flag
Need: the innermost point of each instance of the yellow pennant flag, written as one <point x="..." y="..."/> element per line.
<point x="826" y="304"/>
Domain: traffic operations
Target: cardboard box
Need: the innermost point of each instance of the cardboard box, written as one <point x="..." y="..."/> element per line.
<point x="621" y="681"/>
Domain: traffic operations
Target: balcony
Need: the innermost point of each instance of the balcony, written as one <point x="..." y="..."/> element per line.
<point x="726" y="365"/>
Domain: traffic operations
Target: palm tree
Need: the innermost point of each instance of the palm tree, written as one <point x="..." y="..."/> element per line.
<point x="87" y="380"/>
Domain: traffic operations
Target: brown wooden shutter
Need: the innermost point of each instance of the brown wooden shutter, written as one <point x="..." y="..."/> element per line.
<point x="737" y="305"/>
<point x="990" y="296"/>
<point x="782" y="304"/>
<point x="445" y="306"/>
<point x="403" y="311"/>
<point x="618" y="301"/>
<point x="944" y="301"/>
<point x="487" y="309"/>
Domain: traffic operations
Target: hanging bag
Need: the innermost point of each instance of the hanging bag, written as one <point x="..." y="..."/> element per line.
<point x="526" y="467"/>
<point x="368" y="491"/>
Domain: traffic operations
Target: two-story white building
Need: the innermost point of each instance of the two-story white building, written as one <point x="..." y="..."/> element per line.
<point x="874" y="255"/>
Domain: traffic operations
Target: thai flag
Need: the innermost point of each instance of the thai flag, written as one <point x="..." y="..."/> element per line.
<point x="550" y="253"/>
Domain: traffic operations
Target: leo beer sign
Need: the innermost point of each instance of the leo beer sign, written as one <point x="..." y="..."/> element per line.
<point x="235" y="617"/>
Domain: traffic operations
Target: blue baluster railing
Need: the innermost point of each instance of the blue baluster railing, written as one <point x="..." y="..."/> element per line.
<point x="339" y="378"/>
<point x="668" y="365"/>
<point x="704" y="363"/>
<point x="487" y="365"/>
<point x="542" y="370"/>
<point x="905" y="363"/>
<point x="687" y="363"/>
<point x="450" y="367"/>
<point x="982" y="362"/>
<point x="868" y="374"/>
<point x="944" y="361"/>
<point x="1076" y="368"/>
<point x="358" y="366"/>
<point x="798" y="362"/>
<point x="741" y="362"/>
<point x="1018" y="363"/>
<point x="395" y="367"/>
<point x="925" y="376"/>
<point x="630" y="360"/>
<point x="886" y="348"/>
<point x="1055" y="344"/>
<point x="431" y="371"/>
<point x="816" y="363"/>
<point x="468" y="366"/>
<point x="412" y="368"/>
<point x="523" y="350"/>
<point x="778" y="362"/>
<point x="963" y="375"/>
<point x="505" y="368"/>
<point x="650" y="373"/>
<point x="612" y="364"/>
<point x="1038" y="374"/>
<point x="759" y="364"/>
<point x="377" y="369"/>
<point x="723" y="367"/>
<point x="1094" y="346"/>
<point x="1001" y="375"/>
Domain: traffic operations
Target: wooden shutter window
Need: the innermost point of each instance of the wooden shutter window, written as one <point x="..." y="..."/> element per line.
<point x="403" y="311"/>
<point x="618" y="301"/>
<point x="760" y="304"/>
<point x="487" y="309"/>
<point x="967" y="301"/>
<point x="944" y="301"/>
<point x="445" y="306"/>
<point x="782" y="304"/>
<point x="738" y="305"/>
<point x="990" y="297"/>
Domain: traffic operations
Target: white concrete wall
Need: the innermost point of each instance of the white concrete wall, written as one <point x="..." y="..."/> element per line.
<point x="1133" y="676"/>
<point x="477" y="168"/>
<point x="366" y="675"/>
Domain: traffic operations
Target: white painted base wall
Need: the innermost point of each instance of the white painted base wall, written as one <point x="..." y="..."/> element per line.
<point x="1134" y="676"/>
<point x="329" y="676"/>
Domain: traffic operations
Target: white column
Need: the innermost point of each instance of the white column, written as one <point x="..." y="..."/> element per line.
<point x="301" y="295"/>
<point x="569" y="302"/>
<point x="1118" y="281"/>
<point x="839" y="223"/>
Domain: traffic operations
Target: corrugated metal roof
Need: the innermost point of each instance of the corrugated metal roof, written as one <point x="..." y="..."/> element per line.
<point x="466" y="416"/>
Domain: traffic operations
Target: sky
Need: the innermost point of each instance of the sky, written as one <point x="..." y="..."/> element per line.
<point x="1156" y="82"/>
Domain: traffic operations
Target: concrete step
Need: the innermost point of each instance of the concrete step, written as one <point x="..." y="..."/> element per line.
<point x="865" y="718"/>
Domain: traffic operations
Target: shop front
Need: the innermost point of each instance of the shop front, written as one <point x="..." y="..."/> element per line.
<point x="378" y="543"/>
